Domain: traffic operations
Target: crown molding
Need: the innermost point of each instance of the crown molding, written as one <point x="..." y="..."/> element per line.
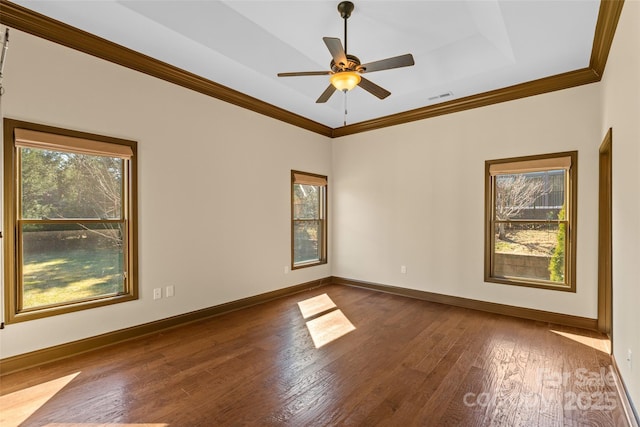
<point x="535" y="87"/>
<point x="23" y="19"/>
<point x="608" y="17"/>
<point x="26" y="20"/>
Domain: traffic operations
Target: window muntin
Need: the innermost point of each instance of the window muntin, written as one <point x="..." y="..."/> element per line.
<point x="531" y="212"/>
<point x="308" y="219"/>
<point x="70" y="197"/>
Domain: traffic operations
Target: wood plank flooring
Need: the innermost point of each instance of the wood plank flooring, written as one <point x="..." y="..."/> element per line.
<point x="402" y="362"/>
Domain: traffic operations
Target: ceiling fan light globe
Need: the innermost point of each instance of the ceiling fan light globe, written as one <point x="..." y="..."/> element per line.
<point x="345" y="80"/>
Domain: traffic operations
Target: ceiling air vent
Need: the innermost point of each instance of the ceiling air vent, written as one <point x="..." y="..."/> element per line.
<point x="444" y="95"/>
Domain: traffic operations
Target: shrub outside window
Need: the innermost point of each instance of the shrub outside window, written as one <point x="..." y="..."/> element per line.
<point x="531" y="221"/>
<point x="308" y="219"/>
<point x="70" y="199"/>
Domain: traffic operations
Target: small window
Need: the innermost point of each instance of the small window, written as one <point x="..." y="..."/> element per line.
<point x="308" y="219"/>
<point x="71" y="201"/>
<point x="531" y="221"/>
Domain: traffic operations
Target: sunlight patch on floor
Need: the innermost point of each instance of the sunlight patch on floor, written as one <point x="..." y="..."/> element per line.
<point x="600" y="344"/>
<point x="20" y="405"/>
<point x="329" y="327"/>
<point x="330" y="323"/>
<point x="316" y="305"/>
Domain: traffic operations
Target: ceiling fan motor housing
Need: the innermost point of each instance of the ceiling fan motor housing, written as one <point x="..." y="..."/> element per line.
<point x="353" y="64"/>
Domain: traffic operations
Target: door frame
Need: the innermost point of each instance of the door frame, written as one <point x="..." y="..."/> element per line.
<point x="605" y="255"/>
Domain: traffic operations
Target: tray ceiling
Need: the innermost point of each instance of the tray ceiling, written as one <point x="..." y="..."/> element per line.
<point x="461" y="48"/>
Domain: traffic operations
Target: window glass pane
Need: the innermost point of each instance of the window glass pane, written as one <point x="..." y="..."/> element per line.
<point x="535" y="195"/>
<point x="306" y="201"/>
<point x="530" y="251"/>
<point x="70" y="262"/>
<point x="65" y="185"/>
<point x="306" y="241"/>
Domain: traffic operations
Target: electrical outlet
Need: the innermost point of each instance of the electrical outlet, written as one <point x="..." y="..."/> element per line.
<point x="403" y="269"/>
<point x="157" y="293"/>
<point x="629" y="357"/>
<point x="286" y="269"/>
<point x="169" y="291"/>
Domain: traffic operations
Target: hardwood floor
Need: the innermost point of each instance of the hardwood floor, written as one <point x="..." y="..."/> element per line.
<point x="382" y="360"/>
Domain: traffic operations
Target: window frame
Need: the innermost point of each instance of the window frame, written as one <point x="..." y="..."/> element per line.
<point x="12" y="219"/>
<point x="322" y="218"/>
<point x="571" y="202"/>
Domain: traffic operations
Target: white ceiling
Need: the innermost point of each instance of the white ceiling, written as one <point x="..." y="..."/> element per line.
<point x="462" y="47"/>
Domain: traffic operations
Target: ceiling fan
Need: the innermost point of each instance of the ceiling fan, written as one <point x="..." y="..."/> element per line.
<point x="346" y="70"/>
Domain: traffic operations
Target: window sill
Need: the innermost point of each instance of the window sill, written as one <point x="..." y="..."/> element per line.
<point x="39" y="313"/>
<point x="540" y="284"/>
<point x="307" y="264"/>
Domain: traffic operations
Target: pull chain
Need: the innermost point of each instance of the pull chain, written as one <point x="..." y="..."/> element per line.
<point x="345" y="108"/>
<point x="344" y="123"/>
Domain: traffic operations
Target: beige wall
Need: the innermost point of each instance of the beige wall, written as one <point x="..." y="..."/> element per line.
<point x="214" y="198"/>
<point x="214" y="217"/>
<point x="413" y="195"/>
<point x="621" y="95"/>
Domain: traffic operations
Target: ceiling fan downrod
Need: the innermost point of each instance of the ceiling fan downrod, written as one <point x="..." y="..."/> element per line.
<point x="345" y="8"/>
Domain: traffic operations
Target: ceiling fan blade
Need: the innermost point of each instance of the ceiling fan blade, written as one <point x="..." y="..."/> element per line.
<point x="373" y="88"/>
<point x="389" y="63"/>
<point x="326" y="94"/>
<point x="337" y="51"/>
<point x="305" y="73"/>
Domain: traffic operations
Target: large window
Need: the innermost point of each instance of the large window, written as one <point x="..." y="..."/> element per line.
<point x="531" y="221"/>
<point x="70" y="203"/>
<point x="308" y="219"/>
